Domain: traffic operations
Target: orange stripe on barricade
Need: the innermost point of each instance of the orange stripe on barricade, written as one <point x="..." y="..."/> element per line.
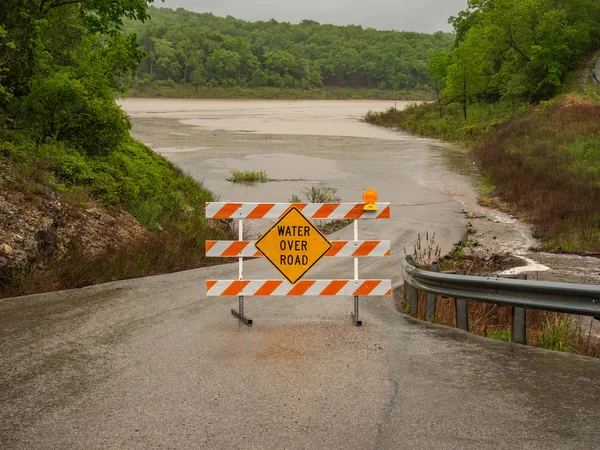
<point x="260" y="211"/>
<point x="388" y="293"/>
<point x="227" y="211"/>
<point x="325" y="211"/>
<point x="356" y="212"/>
<point x="388" y="253"/>
<point x="209" y="245"/>
<point x="235" y="288"/>
<point x="367" y="287"/>
<point x="269" y="287"/>
<point x="336" y="247"/>
<point x="210" y="284"/>
<point x="385" y="214"/>
<point x="298" y="206"/>
<point x="334" y="287"/>
<point x="301" y="287"/>
<point x="366" y="248"/>
<point x="235" y="248"/>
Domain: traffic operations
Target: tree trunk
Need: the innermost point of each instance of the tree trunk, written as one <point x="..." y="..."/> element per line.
<point x="464" y="102"/>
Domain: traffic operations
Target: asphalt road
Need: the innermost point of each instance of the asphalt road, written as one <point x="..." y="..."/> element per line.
<point x="154" y="363"/>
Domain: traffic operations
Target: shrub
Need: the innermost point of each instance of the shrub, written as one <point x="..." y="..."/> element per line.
<point x="60" y="107"/>
<point x="318" y="194"/>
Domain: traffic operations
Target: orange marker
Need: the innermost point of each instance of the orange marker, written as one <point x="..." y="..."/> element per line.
<point x="370" y="197"/>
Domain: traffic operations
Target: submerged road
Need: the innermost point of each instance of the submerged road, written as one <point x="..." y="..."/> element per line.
<point x="154" y="363"/>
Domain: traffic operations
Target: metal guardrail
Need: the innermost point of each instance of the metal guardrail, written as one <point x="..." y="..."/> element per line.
<point x="521" y="294"/>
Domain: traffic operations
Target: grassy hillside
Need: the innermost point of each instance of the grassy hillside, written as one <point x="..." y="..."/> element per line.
<point x="67" y="219"/>
<point x="541" y="161"/>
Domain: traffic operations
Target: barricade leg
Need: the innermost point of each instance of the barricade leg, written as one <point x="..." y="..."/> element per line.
<point x="355" y="317"/>
<point x="240" y="314"/>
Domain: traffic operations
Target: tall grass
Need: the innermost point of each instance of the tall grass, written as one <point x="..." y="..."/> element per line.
<point x="547" y="164"/>
<point x="559" y="333"/>
<point x="248" y="176"/>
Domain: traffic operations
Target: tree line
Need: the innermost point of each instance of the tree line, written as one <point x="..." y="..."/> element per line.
<point x="202" y="49"/>
<point x="514" y="50"/>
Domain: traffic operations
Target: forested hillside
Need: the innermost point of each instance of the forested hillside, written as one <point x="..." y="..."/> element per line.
<point x="516" y="87"/>
<point x="204" y="50"/>
<point x="518" y="50"/>
<point x="71" y="177"/>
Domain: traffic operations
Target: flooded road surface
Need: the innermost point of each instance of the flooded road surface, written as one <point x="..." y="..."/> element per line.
<point x="312" y="143"/>
<point x="154" y="363"/>
<point x="323" y="142"/>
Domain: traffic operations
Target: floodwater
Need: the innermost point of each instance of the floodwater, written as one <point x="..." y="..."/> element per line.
<point x="304" y="143"/>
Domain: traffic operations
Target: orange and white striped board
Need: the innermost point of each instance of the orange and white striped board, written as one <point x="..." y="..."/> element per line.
<point x="227" y="210"/>
<point x="246" y="249"/>
<point x="257" y="288"/>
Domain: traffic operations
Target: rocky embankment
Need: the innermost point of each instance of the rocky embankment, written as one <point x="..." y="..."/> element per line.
<point x="40" y="228"/>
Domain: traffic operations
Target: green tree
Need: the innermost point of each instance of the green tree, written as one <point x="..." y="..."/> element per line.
<point x="438" y="71"/>
<point x="223" y="66"/>
<point x="5" y="48"/>
<point x="464" y="80"/>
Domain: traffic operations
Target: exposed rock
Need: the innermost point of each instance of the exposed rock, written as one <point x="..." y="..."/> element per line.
<point x="7" y="251"/>
<point x="38" y="229"/>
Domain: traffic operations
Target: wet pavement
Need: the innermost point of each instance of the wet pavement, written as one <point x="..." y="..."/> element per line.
<point x="154" y="363"/>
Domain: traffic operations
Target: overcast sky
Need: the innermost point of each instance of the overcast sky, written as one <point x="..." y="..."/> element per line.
<point x="410" y="15"/>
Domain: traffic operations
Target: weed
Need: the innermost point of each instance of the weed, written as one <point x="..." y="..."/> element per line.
<point x="501" y="335"/>
<point x="559" y="334"/>
<point x="322" y="194"/>
<point x="248" y="176"/>
<point x="426" y="253"/>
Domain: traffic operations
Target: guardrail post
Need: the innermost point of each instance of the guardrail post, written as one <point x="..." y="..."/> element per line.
<point x="412" y="300"/>
<point x="462" y="314"/>
<point x="519" y="321"/>
<point x="430" y="305"/>
<point x="461" y="306"/>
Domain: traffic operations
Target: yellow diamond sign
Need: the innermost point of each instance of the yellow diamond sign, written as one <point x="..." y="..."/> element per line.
<point x="293" y="245"/>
